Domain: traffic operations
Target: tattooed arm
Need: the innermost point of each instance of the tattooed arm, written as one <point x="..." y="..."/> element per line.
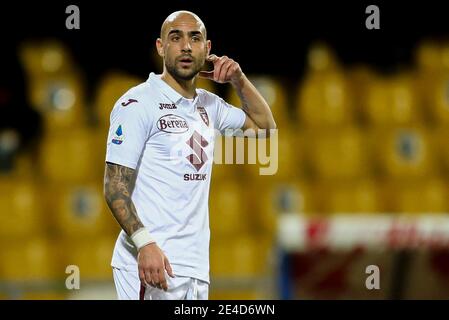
<point x="118" y="186"/>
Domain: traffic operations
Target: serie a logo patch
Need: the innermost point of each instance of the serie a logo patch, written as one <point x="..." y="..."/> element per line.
<point x="118" y="138"/>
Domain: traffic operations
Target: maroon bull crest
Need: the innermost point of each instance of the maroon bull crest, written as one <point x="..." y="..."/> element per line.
<point x="204" y="115"/>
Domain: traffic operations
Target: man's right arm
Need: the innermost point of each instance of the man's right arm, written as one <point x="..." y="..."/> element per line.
<point x="118" y="186"/>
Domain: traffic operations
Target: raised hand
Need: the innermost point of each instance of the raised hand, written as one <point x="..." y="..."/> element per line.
<point x="225" y="70"/>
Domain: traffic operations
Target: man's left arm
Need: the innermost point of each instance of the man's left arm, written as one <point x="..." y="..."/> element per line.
<point x="258" y="111"/>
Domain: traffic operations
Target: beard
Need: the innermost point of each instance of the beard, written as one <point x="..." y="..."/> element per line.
<point x="181" y="73"/>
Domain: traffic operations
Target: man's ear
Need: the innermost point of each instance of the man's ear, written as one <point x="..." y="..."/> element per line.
<point x="160" y="47"/>
<point x="209" y="46"/>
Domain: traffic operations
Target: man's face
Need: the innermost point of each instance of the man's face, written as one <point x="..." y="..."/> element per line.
<point x="184" y="47"/>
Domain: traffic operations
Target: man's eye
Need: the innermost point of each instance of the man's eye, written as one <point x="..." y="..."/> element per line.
<point x="195" y="38"/>
<point x="175" y="38"/>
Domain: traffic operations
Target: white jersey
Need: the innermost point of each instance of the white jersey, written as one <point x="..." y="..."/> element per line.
<point x="169" y="141"/>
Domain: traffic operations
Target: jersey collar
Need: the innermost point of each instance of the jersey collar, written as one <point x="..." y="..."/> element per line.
<point x="168" y="91"/>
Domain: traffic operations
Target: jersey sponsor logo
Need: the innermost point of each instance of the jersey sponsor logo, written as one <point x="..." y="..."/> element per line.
<point x="198" y="158"/>
<point x="172" y="123"/>
<point x="195" y="176"/>
<point x="118" y="138"/>
<point x="167" y="106"/>
<point x="203" y="115"/>
<point x="124" y="104"/>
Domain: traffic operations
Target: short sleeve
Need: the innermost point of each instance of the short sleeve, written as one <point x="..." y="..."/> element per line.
<point x="228" y="116"/>
<point x="129" y="130"/>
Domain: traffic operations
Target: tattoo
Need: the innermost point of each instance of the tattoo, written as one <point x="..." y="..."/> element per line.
<point x="238" y="90"/>
<point x="118" y="185"/>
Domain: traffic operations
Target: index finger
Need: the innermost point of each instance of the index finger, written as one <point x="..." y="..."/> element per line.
<point x="212" y="58"/>
<point x="162" y="280"/>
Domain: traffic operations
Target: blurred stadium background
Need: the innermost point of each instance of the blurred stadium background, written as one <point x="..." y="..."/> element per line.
<point x="363" y="151"/>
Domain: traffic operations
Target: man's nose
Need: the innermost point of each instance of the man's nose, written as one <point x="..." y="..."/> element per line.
<point x="186" y="46"/>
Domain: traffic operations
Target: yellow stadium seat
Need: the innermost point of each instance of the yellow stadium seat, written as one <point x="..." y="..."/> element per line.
<point x="224" y="172"/>
<point x="274" y="93"/>
<point x="239" y="256"/>
<point x="428" y="56"/>
<point x="257" y="156"/>
<point x="110" y="89"/>
<point x="432" y="61"/>
<point x="403" y="99"/>
<point x="403" y="152"/>
<point x="282" y="155"/>
<point x="376" y="101"/>
<point x="79" y="210"/>
<point x="24" y="164"/>
<point x="228" y="208"/>
<point x="359" y="196"/>
<point x="70" y="157"/>
<point x="324" y="100"/>
<point x="341" y="154"/>
<point x="45" y="58"/>
<point x="22" y="211"/>
<point x="360" y="79"/>
<point x="440" y="144"/>
<point x="29" y="259"/>
<point x="55" y="84"/>
<point x="60" y="99"/>
<point x="391" y="101"/>
<point x="278" y="157"/>
<point x="321" y="58"/>
<point x="225" y="158"/>
<point x="91" y="255"/>
<point x="420" y="196"/>
<point x="275" y="198"/>
<point x="436" y="97"/>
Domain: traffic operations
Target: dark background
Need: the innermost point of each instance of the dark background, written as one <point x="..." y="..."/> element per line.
<point x="269" y="37"/>
<point x="264" y="37"/>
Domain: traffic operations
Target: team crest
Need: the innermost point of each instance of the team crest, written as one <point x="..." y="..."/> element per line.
<point x="203" y="115"/>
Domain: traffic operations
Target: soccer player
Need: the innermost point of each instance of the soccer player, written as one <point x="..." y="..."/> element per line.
<point x="159" y="161"/>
